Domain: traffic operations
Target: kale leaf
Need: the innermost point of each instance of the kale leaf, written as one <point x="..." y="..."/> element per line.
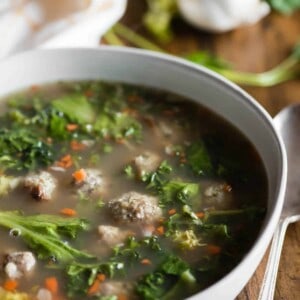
<point x="21" y="150"/>
<point x="285" y="6"/>
<point x="45" y="233"/>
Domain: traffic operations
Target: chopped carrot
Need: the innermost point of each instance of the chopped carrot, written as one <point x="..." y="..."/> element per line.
<point x="200" y="214"/>
<point x="10" y="285"/>
<point x="146" y="261"/>
<point x="68" y="212"/>
<point x="94" y="288"/>
<point x="77" y="146"/>
<point x="88" y="93"/>
<point x="51" y="284"/>
<point x="34" y="88"/>
<point x="172" y="211"/>
<point x="101" y="277"/>
<point x="120" y="141"/>
<point x="65" y="162"/>
<point x="213" y="249"/>
<point x="72" y="127"/>
<point x="160" y="230"/>
<point x="122" y="297"/>
<point x="79" y="175"/>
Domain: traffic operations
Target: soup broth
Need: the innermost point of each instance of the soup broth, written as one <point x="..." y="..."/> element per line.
<point x="112" y="191"/>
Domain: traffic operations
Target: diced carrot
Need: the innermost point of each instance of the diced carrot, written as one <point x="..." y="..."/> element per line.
<point x="101" y="277"/>
<point x="94" y="288"/>
<point x="34" y="88"/>
<point x="68" y="212"/>
<point x="72" y="127"/>
<point x="10" y="285"/>
<point x="122" y="297"/>
<point x="79" y="175"/>
<point x="88" y="93"/>
<point x="160" y="230"/>
<point x="200" y="214"/>
<point x="146" y="261"/>
<point x="51" y="284"/>
<point x="213" y="249"/>
<point x="65" y="162"/>
<point x="77" y="146"/>
<point x="172" y="211"/>
<point x="120" y="141"/>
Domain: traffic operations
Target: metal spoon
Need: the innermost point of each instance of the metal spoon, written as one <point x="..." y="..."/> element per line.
<point x="288" y="124"/>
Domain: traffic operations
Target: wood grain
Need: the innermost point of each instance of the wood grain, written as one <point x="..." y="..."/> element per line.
<point x="254" y="48"/>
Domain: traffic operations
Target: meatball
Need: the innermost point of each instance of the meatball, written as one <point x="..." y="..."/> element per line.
<point x="117" y="288"/>
<point x="112" y="235"/>
<point x="17" y="264"/>
<point x="41" y="186"/>
<point x="146" y="163"/>
<point x="93" y="184"/>
<point x="218" y="195"/>
<point x="134" y="207"/>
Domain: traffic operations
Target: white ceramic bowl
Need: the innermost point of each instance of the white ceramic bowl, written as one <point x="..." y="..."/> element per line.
<point x="178" y="76"/>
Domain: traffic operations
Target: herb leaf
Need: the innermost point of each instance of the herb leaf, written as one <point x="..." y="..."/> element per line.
<point x="44" y="233"/>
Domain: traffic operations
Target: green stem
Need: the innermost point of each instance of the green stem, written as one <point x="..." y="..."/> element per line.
<point x="135" y="38"/>
<point x="112" y="39"/>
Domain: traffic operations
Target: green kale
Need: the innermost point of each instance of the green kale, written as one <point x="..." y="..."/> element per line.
<point x="44" y="233"/>
<point x="117" y="125"/>
<point x="171" y="277"/>
<point x="178" y="191"/>
<point x="21" y="150"/>
<point x="76" y="107"/>
<point x="82" y="275"/>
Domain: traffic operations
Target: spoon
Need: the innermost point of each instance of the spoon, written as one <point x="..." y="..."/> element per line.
<point x="288" y="124"/>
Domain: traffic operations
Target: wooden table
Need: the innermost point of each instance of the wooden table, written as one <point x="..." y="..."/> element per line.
<point x="255" y="48"/>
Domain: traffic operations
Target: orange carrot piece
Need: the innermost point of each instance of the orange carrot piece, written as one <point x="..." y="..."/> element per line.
<point x="79" y="175"/>
<point x="172" y="211"/>
<point x="88" y="93"/>
<point x="146" y="261"/>
<point x="101" y="277"/>
<point x="77" y="146"/>
<point x="72" y="127"/>
<point x="213" y="249"/>
<point x="51" y="284"/>
<point x="68" y="212"/>
<point x="10" y="285"/>
<point x="160" y="230"/>
<point x="200" y="214"/>
<point x="65" y="162"/>
<point x="94" y="288"/>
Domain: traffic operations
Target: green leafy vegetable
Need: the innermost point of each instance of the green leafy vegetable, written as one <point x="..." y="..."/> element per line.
<point x="20" y="150"/>
<point x="285" y="6"/>
<point x="199" y="159"/>
<point x="158" y="18"/>
<point x="76" y="107"/>
<point x="160" y="285"/>
<point x="45" y="233"/>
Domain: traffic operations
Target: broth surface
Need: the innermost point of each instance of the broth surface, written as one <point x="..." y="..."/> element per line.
<point x="173" y="195"/>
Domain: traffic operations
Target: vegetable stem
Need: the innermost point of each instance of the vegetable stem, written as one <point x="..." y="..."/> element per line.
<point x="134" y="38"/>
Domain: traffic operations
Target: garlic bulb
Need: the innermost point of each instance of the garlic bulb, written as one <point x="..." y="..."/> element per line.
<point x="222" y="15"/>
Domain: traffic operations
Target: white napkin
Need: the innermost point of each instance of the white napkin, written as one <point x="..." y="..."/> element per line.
<point x="26" y="24"/>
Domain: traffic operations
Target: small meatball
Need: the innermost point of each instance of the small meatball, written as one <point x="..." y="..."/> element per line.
<point x="93" y="184"/>
<point x="41" y="186"/>
<point x="44" y="294"/>
<point x="218" y="195"/>
<point x="134" y="207"/>
<point x="146" y="163"/>
<point x="18" y="264"/>
<point x="112" y="235"/>
<point x="117" y="288"/>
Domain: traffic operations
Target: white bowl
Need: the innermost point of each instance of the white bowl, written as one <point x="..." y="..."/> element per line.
<point x="183" y="78"/>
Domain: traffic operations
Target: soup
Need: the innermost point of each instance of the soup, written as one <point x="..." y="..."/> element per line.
<point x="112" y="191"/>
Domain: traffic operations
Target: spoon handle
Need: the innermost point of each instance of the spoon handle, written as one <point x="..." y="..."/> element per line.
<point x="269" y="280"/>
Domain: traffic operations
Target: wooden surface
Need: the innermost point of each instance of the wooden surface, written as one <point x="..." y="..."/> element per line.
<point x="255" y="48"/>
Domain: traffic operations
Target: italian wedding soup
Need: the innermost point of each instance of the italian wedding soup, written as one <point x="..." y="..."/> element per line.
<point x="116" y="192"/>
